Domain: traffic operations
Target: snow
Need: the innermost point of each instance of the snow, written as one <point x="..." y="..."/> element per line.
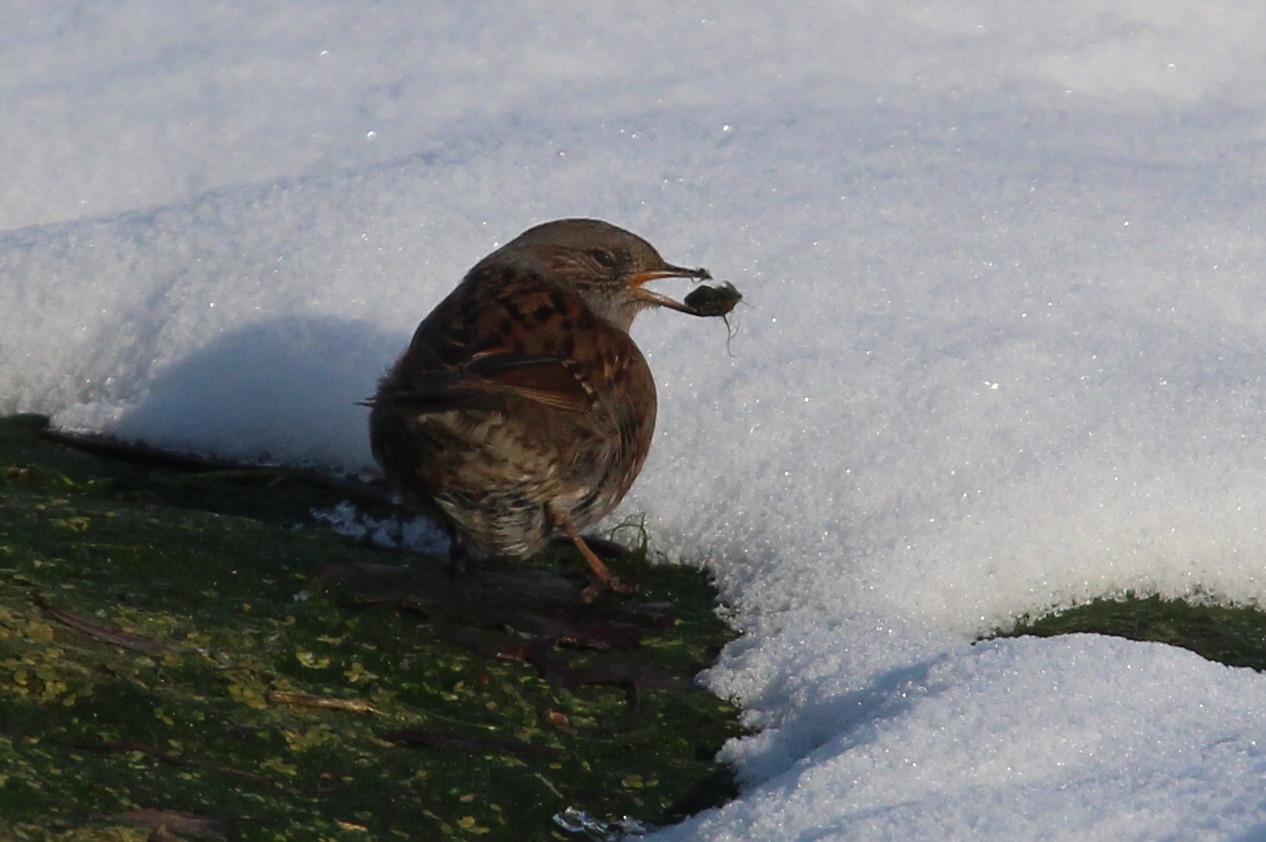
<point x="1000" y="348"/>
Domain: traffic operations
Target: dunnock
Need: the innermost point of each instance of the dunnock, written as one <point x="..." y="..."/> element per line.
<point x="522" y="409"/>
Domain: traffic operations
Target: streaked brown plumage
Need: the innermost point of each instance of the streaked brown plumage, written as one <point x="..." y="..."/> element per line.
<point x="522" y="408"/>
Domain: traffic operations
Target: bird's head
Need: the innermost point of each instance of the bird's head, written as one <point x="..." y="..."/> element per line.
<point x="607" y="266"/>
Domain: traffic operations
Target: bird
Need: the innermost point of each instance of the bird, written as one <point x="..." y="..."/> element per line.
<point x="522" y="410"/>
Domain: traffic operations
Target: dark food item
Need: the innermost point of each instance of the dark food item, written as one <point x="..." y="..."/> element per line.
<point x="714" y="300"/>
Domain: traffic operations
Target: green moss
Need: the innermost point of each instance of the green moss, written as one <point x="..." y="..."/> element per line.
<point x="1235" y="636"/>
<point x="188" y="667"/>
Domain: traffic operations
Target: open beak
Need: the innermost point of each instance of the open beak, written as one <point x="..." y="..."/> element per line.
<point x="666" y="271"/>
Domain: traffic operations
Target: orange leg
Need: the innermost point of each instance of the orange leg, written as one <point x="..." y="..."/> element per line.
<point x="601" y="576"/>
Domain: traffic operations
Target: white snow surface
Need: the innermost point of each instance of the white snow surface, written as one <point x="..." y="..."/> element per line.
<point x="1001" y="349"/>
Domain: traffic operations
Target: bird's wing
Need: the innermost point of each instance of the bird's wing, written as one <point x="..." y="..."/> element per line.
<point x="486" y="382"/>
<point x="499" y="337"/>
<point x="542" y="379"/>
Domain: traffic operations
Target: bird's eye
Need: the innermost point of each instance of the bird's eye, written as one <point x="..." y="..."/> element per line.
<point x="604" y="257"/>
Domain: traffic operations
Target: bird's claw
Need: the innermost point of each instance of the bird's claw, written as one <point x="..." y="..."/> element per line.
<point x="597" y="587"/>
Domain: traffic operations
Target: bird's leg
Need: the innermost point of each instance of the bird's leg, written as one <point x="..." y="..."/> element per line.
<point x="604" y="548"/>
<point x="458" y="556"/>
<point x="600" y="577"/>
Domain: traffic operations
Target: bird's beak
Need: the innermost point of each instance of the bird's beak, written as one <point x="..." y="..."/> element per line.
<point x="641" y="293"/>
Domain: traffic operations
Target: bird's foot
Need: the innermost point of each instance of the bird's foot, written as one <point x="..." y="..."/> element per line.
<point x="600" y="578"/>
<point x="597" y="587"/>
